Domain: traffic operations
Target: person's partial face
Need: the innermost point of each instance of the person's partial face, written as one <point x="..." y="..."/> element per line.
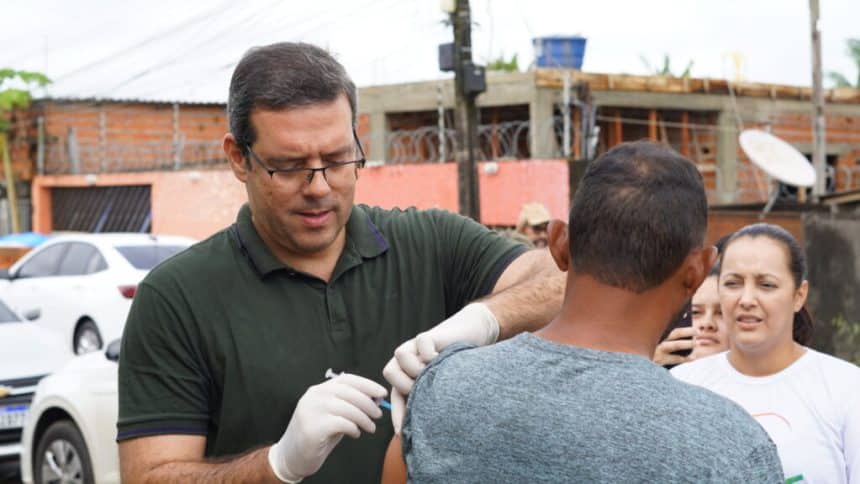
<point x="304" y="217"/>
<point x="758" y="295"/>
<point x="710" y="336"/>
<point x="537" y="234"/>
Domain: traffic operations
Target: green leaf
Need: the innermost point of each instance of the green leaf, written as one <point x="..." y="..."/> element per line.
<point x="838" y="79"/>
<point x="14" y="98"/>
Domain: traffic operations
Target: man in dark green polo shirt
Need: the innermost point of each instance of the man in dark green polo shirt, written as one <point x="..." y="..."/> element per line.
<point x="222" y="375"/>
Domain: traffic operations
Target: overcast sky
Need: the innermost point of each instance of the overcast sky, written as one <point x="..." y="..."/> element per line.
<point x="186" y="50"/>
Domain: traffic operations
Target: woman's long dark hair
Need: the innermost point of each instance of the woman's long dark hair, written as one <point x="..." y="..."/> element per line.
<point x="803" y="323"/>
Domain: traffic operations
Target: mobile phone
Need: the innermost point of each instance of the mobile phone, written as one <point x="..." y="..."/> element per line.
<point x="683" y="320"/>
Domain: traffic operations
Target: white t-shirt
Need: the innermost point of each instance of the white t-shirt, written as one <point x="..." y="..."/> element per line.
<point x="811" y="410"/>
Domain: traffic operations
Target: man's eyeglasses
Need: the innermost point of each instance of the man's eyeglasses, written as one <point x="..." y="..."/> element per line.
<point x="335" y="173"/>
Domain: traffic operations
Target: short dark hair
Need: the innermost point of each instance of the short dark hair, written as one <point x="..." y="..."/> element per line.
<point x="283" y="75"/>
<point x="640" y="210"/>
<point x="804" y="324"/>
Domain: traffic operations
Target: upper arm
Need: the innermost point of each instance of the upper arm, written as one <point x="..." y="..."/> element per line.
<point x="139" y="456"/>
<point x="529" y="264"/>
<point x="162" y="381"/>
<point x="394" y="466"/>
<point x="472" y="256"/>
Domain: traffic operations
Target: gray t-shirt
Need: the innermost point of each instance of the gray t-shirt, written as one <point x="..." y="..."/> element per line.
<point x="530" y="410"/>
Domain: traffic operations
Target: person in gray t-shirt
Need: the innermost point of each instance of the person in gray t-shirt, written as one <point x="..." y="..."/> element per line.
<point x="580" y="400"/>
<point x="532" y="410"/>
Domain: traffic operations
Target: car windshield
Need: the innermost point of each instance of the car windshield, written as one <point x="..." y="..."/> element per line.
<point x="6" y="315"/>
<point x="145" y="257"/>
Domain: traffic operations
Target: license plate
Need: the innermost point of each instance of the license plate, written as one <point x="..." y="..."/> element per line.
<point x="13" y="416"/>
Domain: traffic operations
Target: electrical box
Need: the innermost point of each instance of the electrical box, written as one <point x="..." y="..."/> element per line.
<point x="474" y="79"/>
<point x="446" y="57"/>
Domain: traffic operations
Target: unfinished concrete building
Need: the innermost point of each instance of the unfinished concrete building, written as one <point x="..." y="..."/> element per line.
<point x="523" y="117"/>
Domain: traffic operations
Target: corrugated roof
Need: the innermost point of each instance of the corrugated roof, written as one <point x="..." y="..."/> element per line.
<point x="94" y="100"/>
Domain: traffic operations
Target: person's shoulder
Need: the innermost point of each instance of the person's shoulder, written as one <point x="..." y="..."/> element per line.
<point x="839" y="379"/>
<point x="834" y="366"/>
<point x="416" y="226"/>
<point x="411" y="215"/>
<point x="699" y="406"/>
<point x="700" y="370"/>
<point x="192" y="263"/>
<point x="454" y="368"/>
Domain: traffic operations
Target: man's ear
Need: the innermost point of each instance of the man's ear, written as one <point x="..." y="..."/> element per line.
<point x="558" y="243"/>
<point x="699" y="265"/>
<point x="237" y="161"/>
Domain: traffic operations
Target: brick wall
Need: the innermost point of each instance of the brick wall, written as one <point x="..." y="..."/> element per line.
<point x="120" y="136"/>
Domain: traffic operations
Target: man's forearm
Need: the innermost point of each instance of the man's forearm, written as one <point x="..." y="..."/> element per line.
<point x="531" y="303"/>
<point x="250" y="467"/>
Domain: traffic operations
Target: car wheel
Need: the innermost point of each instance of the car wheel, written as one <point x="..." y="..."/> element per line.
<point x="87" y="338"/>
<point x="62" y="456"/>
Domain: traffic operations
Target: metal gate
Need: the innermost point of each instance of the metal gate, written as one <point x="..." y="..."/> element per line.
<point x="102" y="209"/>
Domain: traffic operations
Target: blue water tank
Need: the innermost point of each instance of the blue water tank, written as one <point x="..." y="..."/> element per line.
<point x="559" y="51"/>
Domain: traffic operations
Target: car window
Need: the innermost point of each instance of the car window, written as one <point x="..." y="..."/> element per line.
<point x="44" y="263"/>
<point x="6" y="315"/>
<point x="80" y="259"/>
<point x="146" y="257"/>
<point x="97" y="263"/>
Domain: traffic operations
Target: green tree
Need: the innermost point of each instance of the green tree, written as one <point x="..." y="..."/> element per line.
<point x="853" y="51"/>
<point x="14" y="93"/>
<point x="666" y="69"/>
<point x="501" y="64"/>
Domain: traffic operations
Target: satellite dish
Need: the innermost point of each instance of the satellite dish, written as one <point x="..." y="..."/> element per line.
<point x="778" y="159"/>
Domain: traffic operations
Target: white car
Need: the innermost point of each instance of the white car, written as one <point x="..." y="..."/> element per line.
<point x="69" y="435"/>
<point x="27" y="353"/>
<point x="84" y="283"/>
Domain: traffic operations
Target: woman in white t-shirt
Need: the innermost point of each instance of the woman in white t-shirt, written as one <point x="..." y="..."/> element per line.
<point x="808" y="402"/>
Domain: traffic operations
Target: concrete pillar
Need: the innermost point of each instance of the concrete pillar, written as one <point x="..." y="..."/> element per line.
<point x="378" y="136"/>
<point x="542" y="143"/>
<point x="727" y="157"/>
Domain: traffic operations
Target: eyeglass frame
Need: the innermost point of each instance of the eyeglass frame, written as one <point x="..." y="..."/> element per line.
<point x="313" y="171"/>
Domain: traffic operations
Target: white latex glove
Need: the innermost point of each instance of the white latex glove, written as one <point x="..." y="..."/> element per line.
<point x="474" y="324"/>
<point x="326" y="412"/>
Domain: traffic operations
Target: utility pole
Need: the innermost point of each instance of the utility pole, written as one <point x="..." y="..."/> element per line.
<point x="819" y="149"/>
<point x="466" y="113"/>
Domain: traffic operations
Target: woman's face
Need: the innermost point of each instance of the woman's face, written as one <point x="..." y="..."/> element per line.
<point x="710" y="334"/>
<point x="758" y="295"/>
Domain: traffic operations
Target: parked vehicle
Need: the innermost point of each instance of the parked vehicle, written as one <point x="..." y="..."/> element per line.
<point x="84" y="283"/>
<point x="71" y="426"/>
<point x="27" y="353"/>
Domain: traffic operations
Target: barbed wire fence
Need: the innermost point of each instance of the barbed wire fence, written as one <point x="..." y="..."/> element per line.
<point x="116" y="151"/>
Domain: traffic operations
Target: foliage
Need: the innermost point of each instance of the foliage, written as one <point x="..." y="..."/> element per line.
<point x="846" y="339"/>
<point x="853" y="51"/>
<point x="666" y="69"/>
<point x="15" y="90"/>
<point x="503" y="65"/>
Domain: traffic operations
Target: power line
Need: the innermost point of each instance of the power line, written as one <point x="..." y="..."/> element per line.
<point x="146" y="41"/>
<point x="220" y="38"/>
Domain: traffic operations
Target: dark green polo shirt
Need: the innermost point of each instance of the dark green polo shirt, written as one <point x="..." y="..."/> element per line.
<point x="223" y="339"/>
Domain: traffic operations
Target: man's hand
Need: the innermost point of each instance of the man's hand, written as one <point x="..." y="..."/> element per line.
<point x="678" y="340"/>
<point x="341" y="406"/>
<point x="474" y="324"/>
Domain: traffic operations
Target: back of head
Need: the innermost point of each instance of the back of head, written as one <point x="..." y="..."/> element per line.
<point x="639" y="211"/>
<point x="283" y="75"/>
